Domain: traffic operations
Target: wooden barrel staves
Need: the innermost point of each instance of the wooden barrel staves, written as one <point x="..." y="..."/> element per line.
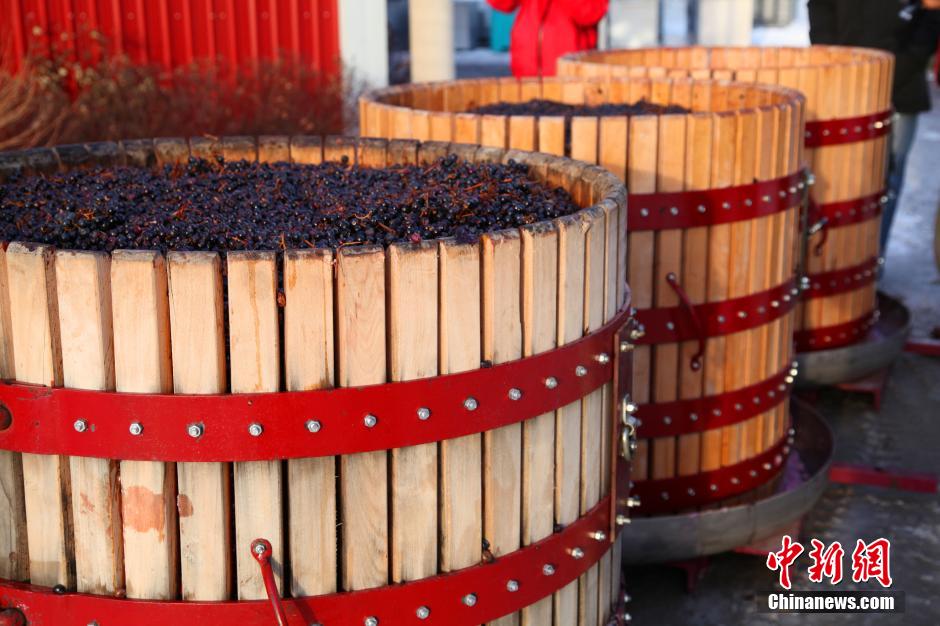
<point x="714" y="198"/>
<point x="848" y="113"/>
<point x="379" y="416"/>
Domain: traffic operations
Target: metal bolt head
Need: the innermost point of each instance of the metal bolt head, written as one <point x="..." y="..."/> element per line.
<point x="470" y="599"/>
<point x="370" y="420"/>
<point x="577" y="553"/>
<point x="580" y="371"/>
<point x="80" y="425"/>
<point x="551" y="382"/>
<point x="371" y="621"/>
<point x="603" y="358"/>
<point x="258" y="548"/>
<point x="548" y="569"/>
<point x="627" y="598"/>
<point x="637" y="333"/>
<point x="622" y="520"/>
<point x="598" y="535"/>
<point x="633" y="502"/>
<point x="626" y="346"/>
<point x="512" y="586"/>
<point x="515" y="394"/>
<point x="423" y="612"/>
<point x="313" y="426"/>
<point x="423" y="414"/>
<point x="627" y="617"/>
<point x="631" y="407"/>
<point x="470" y="404"/>
<point x="255" y="429"/>
<point x="136" y="428"/>
<point x="195" y="430"/>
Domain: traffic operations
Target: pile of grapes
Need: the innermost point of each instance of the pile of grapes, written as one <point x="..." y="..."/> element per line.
<point x="551" y="108"/>
<point x="219" y="206"/>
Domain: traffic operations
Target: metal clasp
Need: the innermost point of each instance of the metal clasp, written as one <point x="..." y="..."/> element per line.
<point x="628" y="443"/>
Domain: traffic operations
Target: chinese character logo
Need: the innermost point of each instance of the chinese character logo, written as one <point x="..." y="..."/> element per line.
<point x="872" y="560"/>
<point x="784" y="558"/>
<point x="827" y="562"/>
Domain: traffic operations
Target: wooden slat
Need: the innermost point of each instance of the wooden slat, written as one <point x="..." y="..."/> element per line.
<point x="413" y="335"/>
<point x="140" y="310"/>
<point x="204" y="501"/>
<point x="522" y="135"/>
<point x="255" y="356"/>
<point x="584" y="139"/>
<point x="570" y="326"/>
<point x="502" y="341"/>
<point x="308" y="364"/>
<point x="552" y="135"/>
<point x="14" y="547"/>
<point x="37" y="359"/>
<point x="461" y="458"/>
<point x="539" y="311"/>
<point x="83" y="284"/>
<point x="360" y="344"/>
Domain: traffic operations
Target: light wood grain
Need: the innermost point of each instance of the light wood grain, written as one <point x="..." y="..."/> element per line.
<point x="37" y="359"/>
<point x="84" y="301"/>
<point x="140" y="312"/>
<point x="204" y="500"/>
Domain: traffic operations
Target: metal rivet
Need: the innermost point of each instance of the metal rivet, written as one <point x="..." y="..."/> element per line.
<point x="515" y="394"/>
<point x="767" y="466"/>
<point x="748" y="202"/>
<point x="644" y="212"/>
<point x="80" y="425"/>
<point x="693" y="417"/>
<point x="136" y="428"/>
<point x="551" y="382"/>
<point x="259" y="548"/>
<point x="742" y="314"/>
<point x="470" y="599"/>
<point x="765" y="198"/>
<point x="512" y="586"/>
<point x="631" y="407"/>
<point x="370" y="420"/>
<point x="775" y="303"/>
<point x="627" y="598"/>
<point x="424" y="413"/>
<point x="789" y="380"/>
<point x="580" y="371"/>
<point x="753" y="473"/>
<point x="599" y="535"/>
<point x="725" y="205"/>
<point x="716" y="412"/>
<point x="737" y="406"/>
<point x="423" y="612"/>
<point x="313" y="426"/>
<point x="470" y="404"/>
<point x="603" y="358"/>
<point x="255" y="429"/>
<point x="734" y="480"/>
<point x="691" y="491"/>
<point x="577" y="553"/>
<point x="670" y="326"/>
<point x="713" y="487"/>
<point x="637" y="333"/>
<point x="633" y="502"/>
<point x="674" y="211"/>
<point x="195" y="430"/>
<point x="701" y="208"/>
<point x="548" y="569"/>
<point x="371" y="621"/>
<point x="626" y="346"/>
<point x="667" y="420"/>
<point x="665" y="495"/>
<point x="721" y="319"/>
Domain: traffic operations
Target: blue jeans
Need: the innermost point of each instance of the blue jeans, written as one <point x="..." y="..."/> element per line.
<point x="902" y="137"/>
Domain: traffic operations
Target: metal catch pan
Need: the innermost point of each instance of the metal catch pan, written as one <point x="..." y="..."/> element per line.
<point x="883" y="344"/>
<point x="700" y="533"/>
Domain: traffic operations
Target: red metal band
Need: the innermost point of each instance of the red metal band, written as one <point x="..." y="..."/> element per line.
<point x="836" y="336"/>
<point x="695" y="415"/>
<point x="447" y="597"/>
<point x="683" y="492"/>
<point x="251" y="427"/>
<point x="852" y="211"/>
<point x="707" y="207"/>
<point x="842" y="280"/>
<point x="671" y="324"/>
<point x="847" y="129"/>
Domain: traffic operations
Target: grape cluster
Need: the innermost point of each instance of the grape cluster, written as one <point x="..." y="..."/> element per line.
<point x="543" y="108"/>
<point x="220" y="206"/>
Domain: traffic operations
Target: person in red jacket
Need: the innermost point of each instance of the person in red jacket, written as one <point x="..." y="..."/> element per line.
<point x="546" y="29"/>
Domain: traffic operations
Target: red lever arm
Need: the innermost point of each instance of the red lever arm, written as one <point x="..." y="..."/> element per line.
<point x="261" y="551"/>
<point x="696" y="362"/>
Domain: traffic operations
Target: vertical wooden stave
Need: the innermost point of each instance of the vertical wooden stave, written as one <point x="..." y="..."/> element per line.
<point x="198" y="356"/>
<point x="360" y="346"/>
<point x="412" y="285"/>
<point x="309" y="364"/>
<point x="37" y="359"/>
<point x="255" y="357"/>
<point x="140" y="312"/>
<point x="14" y="545"/>
<point x="83" y="288"/>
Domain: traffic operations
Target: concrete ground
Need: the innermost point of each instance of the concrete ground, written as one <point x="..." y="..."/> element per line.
<point x="901" y="437"/>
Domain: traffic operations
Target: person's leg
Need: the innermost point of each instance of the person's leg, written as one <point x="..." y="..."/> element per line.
<point x="902" y="137"/>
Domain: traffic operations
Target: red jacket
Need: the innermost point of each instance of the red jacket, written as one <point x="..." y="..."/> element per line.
<point x="546" y="29"/>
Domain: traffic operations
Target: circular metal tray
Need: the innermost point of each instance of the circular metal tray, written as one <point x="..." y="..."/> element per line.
<point x="880" y="347"/>
<point x="684" y="536"/>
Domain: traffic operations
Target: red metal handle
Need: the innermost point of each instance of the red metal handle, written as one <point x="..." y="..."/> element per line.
<point x="261" y="551"/>
<point x="696" y="362"/>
